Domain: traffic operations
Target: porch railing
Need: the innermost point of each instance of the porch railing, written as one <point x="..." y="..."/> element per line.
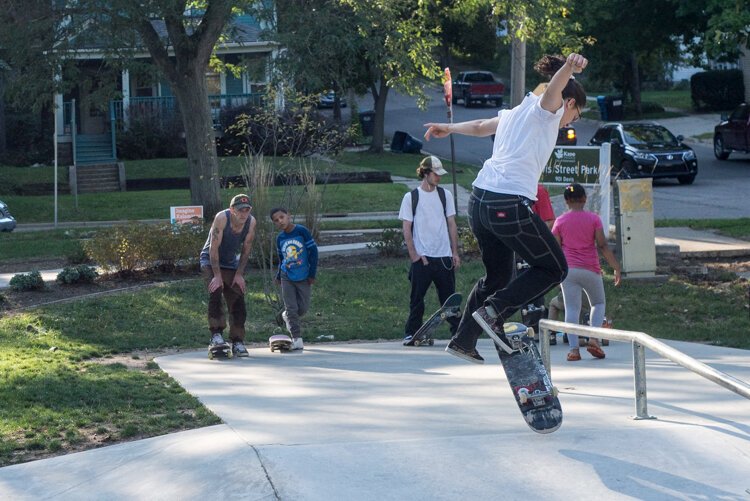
<point x="164" y="110"/>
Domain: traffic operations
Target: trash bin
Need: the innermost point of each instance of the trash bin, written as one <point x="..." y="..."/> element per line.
<point x="405" y="143"/>
<point x="615" y="108"/>
<point x="602" y="102"/>
<point x="367" y="122"/>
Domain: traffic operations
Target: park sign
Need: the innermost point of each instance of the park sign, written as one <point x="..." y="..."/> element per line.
<point x="586" y="165"/>
<point x="573" y="164"/>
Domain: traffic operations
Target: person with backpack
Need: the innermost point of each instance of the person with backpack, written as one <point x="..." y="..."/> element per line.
<point x="428" y="217"/>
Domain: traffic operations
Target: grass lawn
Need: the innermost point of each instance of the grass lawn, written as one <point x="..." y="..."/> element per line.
<point x="64" y="390"/>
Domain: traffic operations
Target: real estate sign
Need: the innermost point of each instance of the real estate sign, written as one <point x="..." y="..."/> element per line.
<point x="192" y="214"/>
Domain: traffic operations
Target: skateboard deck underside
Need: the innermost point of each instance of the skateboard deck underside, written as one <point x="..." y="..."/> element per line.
<point x="531" y="386"/>
<point x="450" y="308"/>
<point x="280" y="342"/>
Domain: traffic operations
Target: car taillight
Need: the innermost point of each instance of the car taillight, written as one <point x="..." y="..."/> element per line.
<point x="571" y="134"/>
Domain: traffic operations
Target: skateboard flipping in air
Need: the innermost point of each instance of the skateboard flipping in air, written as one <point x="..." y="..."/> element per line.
<point x="529" y="381"/>
<point x="451" y="308"/>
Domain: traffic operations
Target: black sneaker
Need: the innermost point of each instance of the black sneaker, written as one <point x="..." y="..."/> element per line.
<point x="470" y="355"/>
<point x="493" y="326"/>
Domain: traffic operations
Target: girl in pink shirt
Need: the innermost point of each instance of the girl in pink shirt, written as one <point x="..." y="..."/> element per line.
<point x="581" y="237"/>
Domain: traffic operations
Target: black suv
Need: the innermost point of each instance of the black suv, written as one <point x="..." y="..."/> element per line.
<point x="733" y="133"/>
<point x="647" y="150"/>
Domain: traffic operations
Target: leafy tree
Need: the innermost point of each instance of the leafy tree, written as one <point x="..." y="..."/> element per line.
<point x="633" y="39"/>
<point x="182" y="53"/>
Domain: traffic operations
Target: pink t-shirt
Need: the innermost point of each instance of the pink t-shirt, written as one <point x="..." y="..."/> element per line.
<point x="577" y="231"/>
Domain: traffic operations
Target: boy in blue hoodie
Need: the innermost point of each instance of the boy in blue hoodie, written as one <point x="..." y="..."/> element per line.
<point x="298" y="264"/>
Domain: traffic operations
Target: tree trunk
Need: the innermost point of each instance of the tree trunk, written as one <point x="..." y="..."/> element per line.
<point x="192" y="96"/>
<point x="517" y="72"/>
<point x="3" y="144"/>
<point x="745" y="66"/>
<point x="378" y="127"/>
<point x="635" y="86"/>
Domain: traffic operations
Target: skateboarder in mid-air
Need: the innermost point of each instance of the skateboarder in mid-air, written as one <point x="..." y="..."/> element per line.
<point x="223" y="261"/>
<point x="428" y="220"/>
<point x="500" y="212"/>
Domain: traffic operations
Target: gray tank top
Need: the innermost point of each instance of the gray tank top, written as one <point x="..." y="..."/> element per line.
<point x="230" y="248"/>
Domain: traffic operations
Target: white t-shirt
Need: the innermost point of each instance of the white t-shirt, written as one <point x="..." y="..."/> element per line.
<point x="524" y="140"/>
<point x="429" y="227"/>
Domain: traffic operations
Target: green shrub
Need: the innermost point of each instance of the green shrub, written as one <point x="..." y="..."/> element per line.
<point x="31" y="281"/>
<point x="467" y="242"/>
<point x="151" y="133"/>
<point x="77" y="255"/>
<point x="81" y="274"/>
<point x="137" y="246"/>
<point x="717" y="89"/>
<point x="390" y="244"/>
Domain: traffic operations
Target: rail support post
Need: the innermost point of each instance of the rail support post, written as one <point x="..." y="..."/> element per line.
<point x="639" y="374"/>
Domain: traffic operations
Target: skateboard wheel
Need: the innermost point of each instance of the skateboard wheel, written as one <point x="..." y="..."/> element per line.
<point x="555" y="391"/>
<point x="523" y="397"/>
<point x="417" y="342"/>
<point x="431" y="342"/>
<point x="210" y="356"/>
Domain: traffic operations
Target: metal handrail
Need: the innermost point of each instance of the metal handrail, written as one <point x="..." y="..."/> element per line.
<point x="640" y="341"/>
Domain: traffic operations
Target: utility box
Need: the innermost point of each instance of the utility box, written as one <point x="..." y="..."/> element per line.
<point x="634" y="224"/>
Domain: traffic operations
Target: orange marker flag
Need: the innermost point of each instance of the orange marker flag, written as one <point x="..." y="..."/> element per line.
<point x="448" y="87"/>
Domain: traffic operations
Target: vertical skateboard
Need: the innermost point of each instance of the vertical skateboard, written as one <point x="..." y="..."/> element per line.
<point x="223" y="350"/>
<point x="451" y="308"/>
<point x="280" y="342"/>
<point x="529" y="381"/>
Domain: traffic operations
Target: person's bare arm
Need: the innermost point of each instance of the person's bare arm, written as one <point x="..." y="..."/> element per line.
<point x="453" y="236"/>
<point x="217" y="232"/>
<point x="407" y="227"/>
<point x="603" y="245"/>
<point x="552" y="98"/>
<point x="481" y="128"/>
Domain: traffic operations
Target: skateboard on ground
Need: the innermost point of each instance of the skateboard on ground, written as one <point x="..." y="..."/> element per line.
<point x="451" y="308"/>
<point x="529" y="381"/>
<point x="223" y="350"/>
<point x="280" y="342"/>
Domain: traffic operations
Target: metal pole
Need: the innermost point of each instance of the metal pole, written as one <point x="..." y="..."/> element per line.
<point x="544" y="349"/>
<point x="54" y="142"/>
<point x="639" y="375"/>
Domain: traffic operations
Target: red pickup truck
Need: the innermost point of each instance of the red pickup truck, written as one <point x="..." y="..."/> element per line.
<point x="477" y="87"/>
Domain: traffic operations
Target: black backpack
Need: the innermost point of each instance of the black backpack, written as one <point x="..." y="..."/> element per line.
<point x="415" y="201"/>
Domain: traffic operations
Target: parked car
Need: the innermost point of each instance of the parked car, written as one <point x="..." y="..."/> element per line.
<point x="327" y="99"/>
<point x="477" y="87"/>
<point x="733" y="133"/>
<point x="7" y="222"/>
<point x="647" y="150"/>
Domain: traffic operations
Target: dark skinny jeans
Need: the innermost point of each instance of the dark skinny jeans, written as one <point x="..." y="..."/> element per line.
<point x="504" y="225"/>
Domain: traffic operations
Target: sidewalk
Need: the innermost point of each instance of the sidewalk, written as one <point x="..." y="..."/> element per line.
<point x="379" y="421"/>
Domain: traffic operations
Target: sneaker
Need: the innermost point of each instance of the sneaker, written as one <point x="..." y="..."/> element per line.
<point x="470" y="355"/>
<point x="297" y="344"/>
<point x="239" y="350"/>
<point x="492" y="327"/>
<point x="217" y="339"/>
<point x="552" y="338"/>
<point x="407" y="340"/>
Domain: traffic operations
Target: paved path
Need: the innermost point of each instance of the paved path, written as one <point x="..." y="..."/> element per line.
<point x="378" y="421"/>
